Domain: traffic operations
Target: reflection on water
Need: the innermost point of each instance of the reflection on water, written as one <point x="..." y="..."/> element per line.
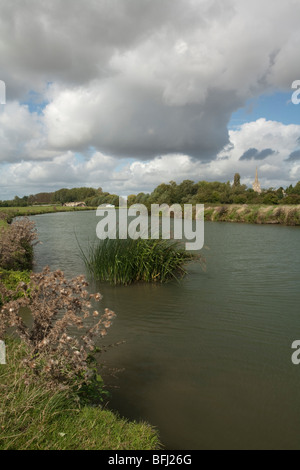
<point x="207" y="361"/>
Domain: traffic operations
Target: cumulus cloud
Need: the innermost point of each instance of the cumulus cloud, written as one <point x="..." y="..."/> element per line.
<point x="22" y="134"/>
<point x="132" y="176"/>
<point x="294" y="156"/>
<point x="254" y="154"/>
<point x="144" y="79"/>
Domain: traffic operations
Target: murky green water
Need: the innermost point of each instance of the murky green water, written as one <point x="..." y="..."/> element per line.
<point x="207" y="361"/>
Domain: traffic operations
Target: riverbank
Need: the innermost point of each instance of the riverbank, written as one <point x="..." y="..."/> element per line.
<point x="12" y="212"/>
<point x="240" y="213"/>
<point x="34" y="415"/>
<point x="37" y="417"/>
<point x="253" y="214"/>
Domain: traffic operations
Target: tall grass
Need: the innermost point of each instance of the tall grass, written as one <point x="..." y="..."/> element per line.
<point x="127" y="261"/>
<point x="34" y="416"/>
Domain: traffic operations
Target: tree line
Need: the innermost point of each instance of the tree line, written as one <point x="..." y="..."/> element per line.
<point x="92" y="197"/>
<point x="187" y="192"/>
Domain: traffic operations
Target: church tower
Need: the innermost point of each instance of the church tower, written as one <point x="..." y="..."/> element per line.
<point x="256" y="184"/>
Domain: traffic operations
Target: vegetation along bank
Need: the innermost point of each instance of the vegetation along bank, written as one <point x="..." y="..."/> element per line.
<point x="51" y="396"/>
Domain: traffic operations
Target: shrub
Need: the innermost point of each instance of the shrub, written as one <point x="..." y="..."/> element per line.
<point x="56" y="305"/>
<point x="17" y="241"/>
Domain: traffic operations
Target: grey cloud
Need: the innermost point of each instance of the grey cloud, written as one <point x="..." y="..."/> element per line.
<point x="73" y="41"/>
<point x="249" y="154"/>
<point x="254" y="154"/>
<point x="132" y="122"/>
<point x="294" y="156"/>
<point x="264" y="154"/>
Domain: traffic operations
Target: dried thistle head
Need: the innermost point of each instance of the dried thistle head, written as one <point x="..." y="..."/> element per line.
<point x="57" y="306"/>
<point x="17" y="241"/>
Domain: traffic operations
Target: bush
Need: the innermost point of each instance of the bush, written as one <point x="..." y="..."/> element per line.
<point x="56" y="305"/>
<point x="16" y="248"/>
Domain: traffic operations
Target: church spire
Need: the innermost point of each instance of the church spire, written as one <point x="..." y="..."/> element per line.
<point x="256" y="184"/>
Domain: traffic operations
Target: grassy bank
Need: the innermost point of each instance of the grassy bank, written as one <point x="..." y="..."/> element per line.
<point x="12" y="212"/>
<point x="247" y="213"/>
<point x="37" y="417"/>
<point x="254" y="214"/>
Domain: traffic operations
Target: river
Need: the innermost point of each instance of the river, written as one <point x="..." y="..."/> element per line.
<point x="207" y="360"/>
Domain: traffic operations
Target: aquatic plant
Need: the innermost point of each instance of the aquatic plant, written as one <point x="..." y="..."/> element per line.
<point x="126" y="261"/>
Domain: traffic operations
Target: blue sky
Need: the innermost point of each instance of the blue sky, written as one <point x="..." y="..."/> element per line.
<point x="274" y="107"/>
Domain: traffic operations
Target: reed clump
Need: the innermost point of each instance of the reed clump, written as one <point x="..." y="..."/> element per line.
<point x="127" y="261"/>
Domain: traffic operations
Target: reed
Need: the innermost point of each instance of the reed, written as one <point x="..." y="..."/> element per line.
<point x="127" y="261"/>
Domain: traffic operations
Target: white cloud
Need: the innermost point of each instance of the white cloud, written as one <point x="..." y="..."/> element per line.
<point x="21" y="134"/>
<point x="154" y="81"/>
<point x="66" y="170"/>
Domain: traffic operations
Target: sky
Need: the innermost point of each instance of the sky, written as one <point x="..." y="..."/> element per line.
<point x="128" y="94"/>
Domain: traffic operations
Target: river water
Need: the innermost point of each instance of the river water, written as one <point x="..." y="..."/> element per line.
<point x="207" y="360"/>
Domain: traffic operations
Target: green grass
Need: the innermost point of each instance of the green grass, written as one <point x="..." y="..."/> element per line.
<point x="11" y="280"/>
<point x="35" y="210"/>
<point x="127" y="261"/>
<point x="34" y="417"/>
<point x="12" y="212"/>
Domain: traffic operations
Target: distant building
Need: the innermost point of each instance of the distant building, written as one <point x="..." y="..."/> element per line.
<point x="75" y="204"/>
<point x="256" y="184"/>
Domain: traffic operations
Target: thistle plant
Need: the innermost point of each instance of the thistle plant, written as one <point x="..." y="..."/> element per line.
<point x="57" y="306"/>
<point x="16" y="244"/>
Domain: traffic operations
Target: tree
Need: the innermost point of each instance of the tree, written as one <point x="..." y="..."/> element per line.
<point x="237" y="180"/>
<point x="131" y="199"/>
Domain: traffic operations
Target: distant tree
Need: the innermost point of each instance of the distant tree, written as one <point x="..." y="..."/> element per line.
<point x="185" y="191"/>
<point x="237" y="180"/>
<point x="296" y="189"/>
<point x="291" y="199"/>
<point x="270" y="198"/>
<point x="240" y="199"/>
<point x="280" y="193"/>
<point x="131" y="199"/>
